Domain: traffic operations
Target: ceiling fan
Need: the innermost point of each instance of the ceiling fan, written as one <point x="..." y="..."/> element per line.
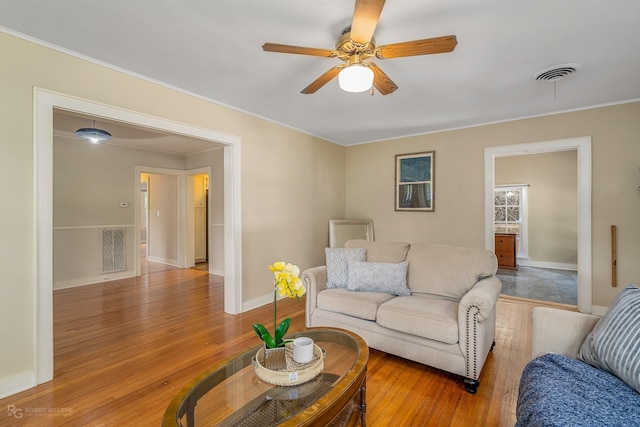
<point x="356" y="46"/>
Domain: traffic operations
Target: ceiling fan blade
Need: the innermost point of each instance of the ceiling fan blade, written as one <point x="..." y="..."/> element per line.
<point x="417" y="47"/>
<point x="285" y="48"/>
<point x="381" y="81"/>
<point x="322" y="80"/>
<point x="365" y="19"/>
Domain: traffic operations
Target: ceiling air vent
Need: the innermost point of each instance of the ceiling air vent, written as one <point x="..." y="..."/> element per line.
<point x="555" y="73"/>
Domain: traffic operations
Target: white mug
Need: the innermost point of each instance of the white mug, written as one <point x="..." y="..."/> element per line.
<point x="303" y="350"/>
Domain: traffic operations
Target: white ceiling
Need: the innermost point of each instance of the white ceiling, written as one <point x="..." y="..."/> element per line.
<point x="212" y="48"/>
<point x="65" y="124"/>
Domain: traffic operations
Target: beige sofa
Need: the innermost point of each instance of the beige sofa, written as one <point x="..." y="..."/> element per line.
<point x="559" y="331"/>
<point x="447" y="321"/>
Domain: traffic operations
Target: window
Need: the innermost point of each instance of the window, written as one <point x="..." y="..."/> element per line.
<point x="510" y="214"/>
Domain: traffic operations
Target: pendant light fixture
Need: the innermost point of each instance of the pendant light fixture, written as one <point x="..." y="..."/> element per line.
<point x="94" y="135"/>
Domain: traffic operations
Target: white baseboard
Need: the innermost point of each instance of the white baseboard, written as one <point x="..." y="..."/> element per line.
<point x="93" y="279"/>
<point x="17" y="383"/>
<point x="217" y="272"/>
<point x="257" y="302"/>
<point x="167" y="261"/>
<point x="547" y="264"/>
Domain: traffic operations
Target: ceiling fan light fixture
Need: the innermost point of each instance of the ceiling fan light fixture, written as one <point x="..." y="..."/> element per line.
<point x="355" y="78"/>
<point x="94" y="135"/>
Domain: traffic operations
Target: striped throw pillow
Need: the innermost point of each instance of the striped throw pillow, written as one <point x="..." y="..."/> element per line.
<point x="614" y="343"/>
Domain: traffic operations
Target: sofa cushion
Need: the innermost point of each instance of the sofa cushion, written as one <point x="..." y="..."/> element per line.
<point x="337" y="265"/>
<point x="363" y="305"/>
<point x="390" y="278"/>
<point x="449" y="271"/>
<point x="381" y="251"/>
<point x="614" y="343"/>
<point x="432" y="318"/>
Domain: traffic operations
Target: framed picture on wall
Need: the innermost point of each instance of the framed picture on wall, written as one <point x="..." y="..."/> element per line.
<point x="415" y="174"/>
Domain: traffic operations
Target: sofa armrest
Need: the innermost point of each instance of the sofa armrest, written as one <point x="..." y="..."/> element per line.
<point x="477" y="324"/>
<point x="314" y="280"/>
<point x="483" y="295"/>
<point x="559" y="331"/>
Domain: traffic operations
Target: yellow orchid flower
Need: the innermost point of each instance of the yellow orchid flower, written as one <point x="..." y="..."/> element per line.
<point x="286" y="283"/>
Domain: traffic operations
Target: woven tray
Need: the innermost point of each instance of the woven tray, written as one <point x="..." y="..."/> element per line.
<point x="295" y="373"/>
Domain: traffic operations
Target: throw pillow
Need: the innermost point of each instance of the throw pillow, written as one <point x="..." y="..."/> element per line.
<point x="389" y="278"/>
<point x="337" y="264"/>
<point x="614" y="343"/>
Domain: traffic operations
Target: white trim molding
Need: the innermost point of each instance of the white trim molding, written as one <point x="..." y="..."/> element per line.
<point x="45" y="101"/>
<point x="583" y="147"/>
<point x="17" y="383"/>
<point x="526" y="262"/>
<point x="90" y="280"/>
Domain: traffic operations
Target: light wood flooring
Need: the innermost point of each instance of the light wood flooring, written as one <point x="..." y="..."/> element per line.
<point x="123" y="349"/>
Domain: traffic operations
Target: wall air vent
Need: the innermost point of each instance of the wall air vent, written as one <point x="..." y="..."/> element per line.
<point x="555" y="73"/>
<point x="113" y="243"/>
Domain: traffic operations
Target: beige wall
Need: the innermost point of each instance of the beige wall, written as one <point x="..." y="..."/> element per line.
<point x="292" y="183"/>
<point x="89" y="182"/>
<point x="459" y="184"/>
<point x="215" y="159"/>
<point x="162" y="236"/>
<point x="552" y="202"/>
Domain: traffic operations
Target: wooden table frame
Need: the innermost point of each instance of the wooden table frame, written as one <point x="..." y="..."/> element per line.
<point x="324" y="411"/>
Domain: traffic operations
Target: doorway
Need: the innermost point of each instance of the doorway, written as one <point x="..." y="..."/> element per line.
<point x="535" y="204"/>
<point x="582" y="146"/>
<point x="44" y="104"/>
<point x="158" y="234"/>
<point x="201" y="221"/>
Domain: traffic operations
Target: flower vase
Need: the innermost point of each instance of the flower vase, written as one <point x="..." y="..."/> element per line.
<point x="275" y="358"/>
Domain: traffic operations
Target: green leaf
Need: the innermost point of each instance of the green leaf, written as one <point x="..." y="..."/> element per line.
<point x="259" y="330"/>
<point x="269" y="341"/>
<point x="264" y="335"/>
<point x="282" y="330"/>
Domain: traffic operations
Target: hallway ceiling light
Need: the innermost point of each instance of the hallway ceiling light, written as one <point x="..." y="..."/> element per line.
<point x="94" y="135"/>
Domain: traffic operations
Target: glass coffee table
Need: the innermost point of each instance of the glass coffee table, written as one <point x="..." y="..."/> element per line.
<point x="231" y="394"/>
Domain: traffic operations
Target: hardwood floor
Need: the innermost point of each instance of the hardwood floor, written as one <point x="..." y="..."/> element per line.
<point x="123" y="349"/>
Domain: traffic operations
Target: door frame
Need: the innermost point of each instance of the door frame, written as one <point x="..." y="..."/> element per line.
<point x="181" y="208"/>
<point x="190" y="255"/>
<point x="45" y="101"/>
<point x="583" y="147"/>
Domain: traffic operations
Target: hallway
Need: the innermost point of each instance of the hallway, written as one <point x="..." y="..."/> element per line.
<point x="550" y="285"/>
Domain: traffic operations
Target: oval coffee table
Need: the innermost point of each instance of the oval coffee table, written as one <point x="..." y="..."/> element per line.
<point x="230" y="393"/>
